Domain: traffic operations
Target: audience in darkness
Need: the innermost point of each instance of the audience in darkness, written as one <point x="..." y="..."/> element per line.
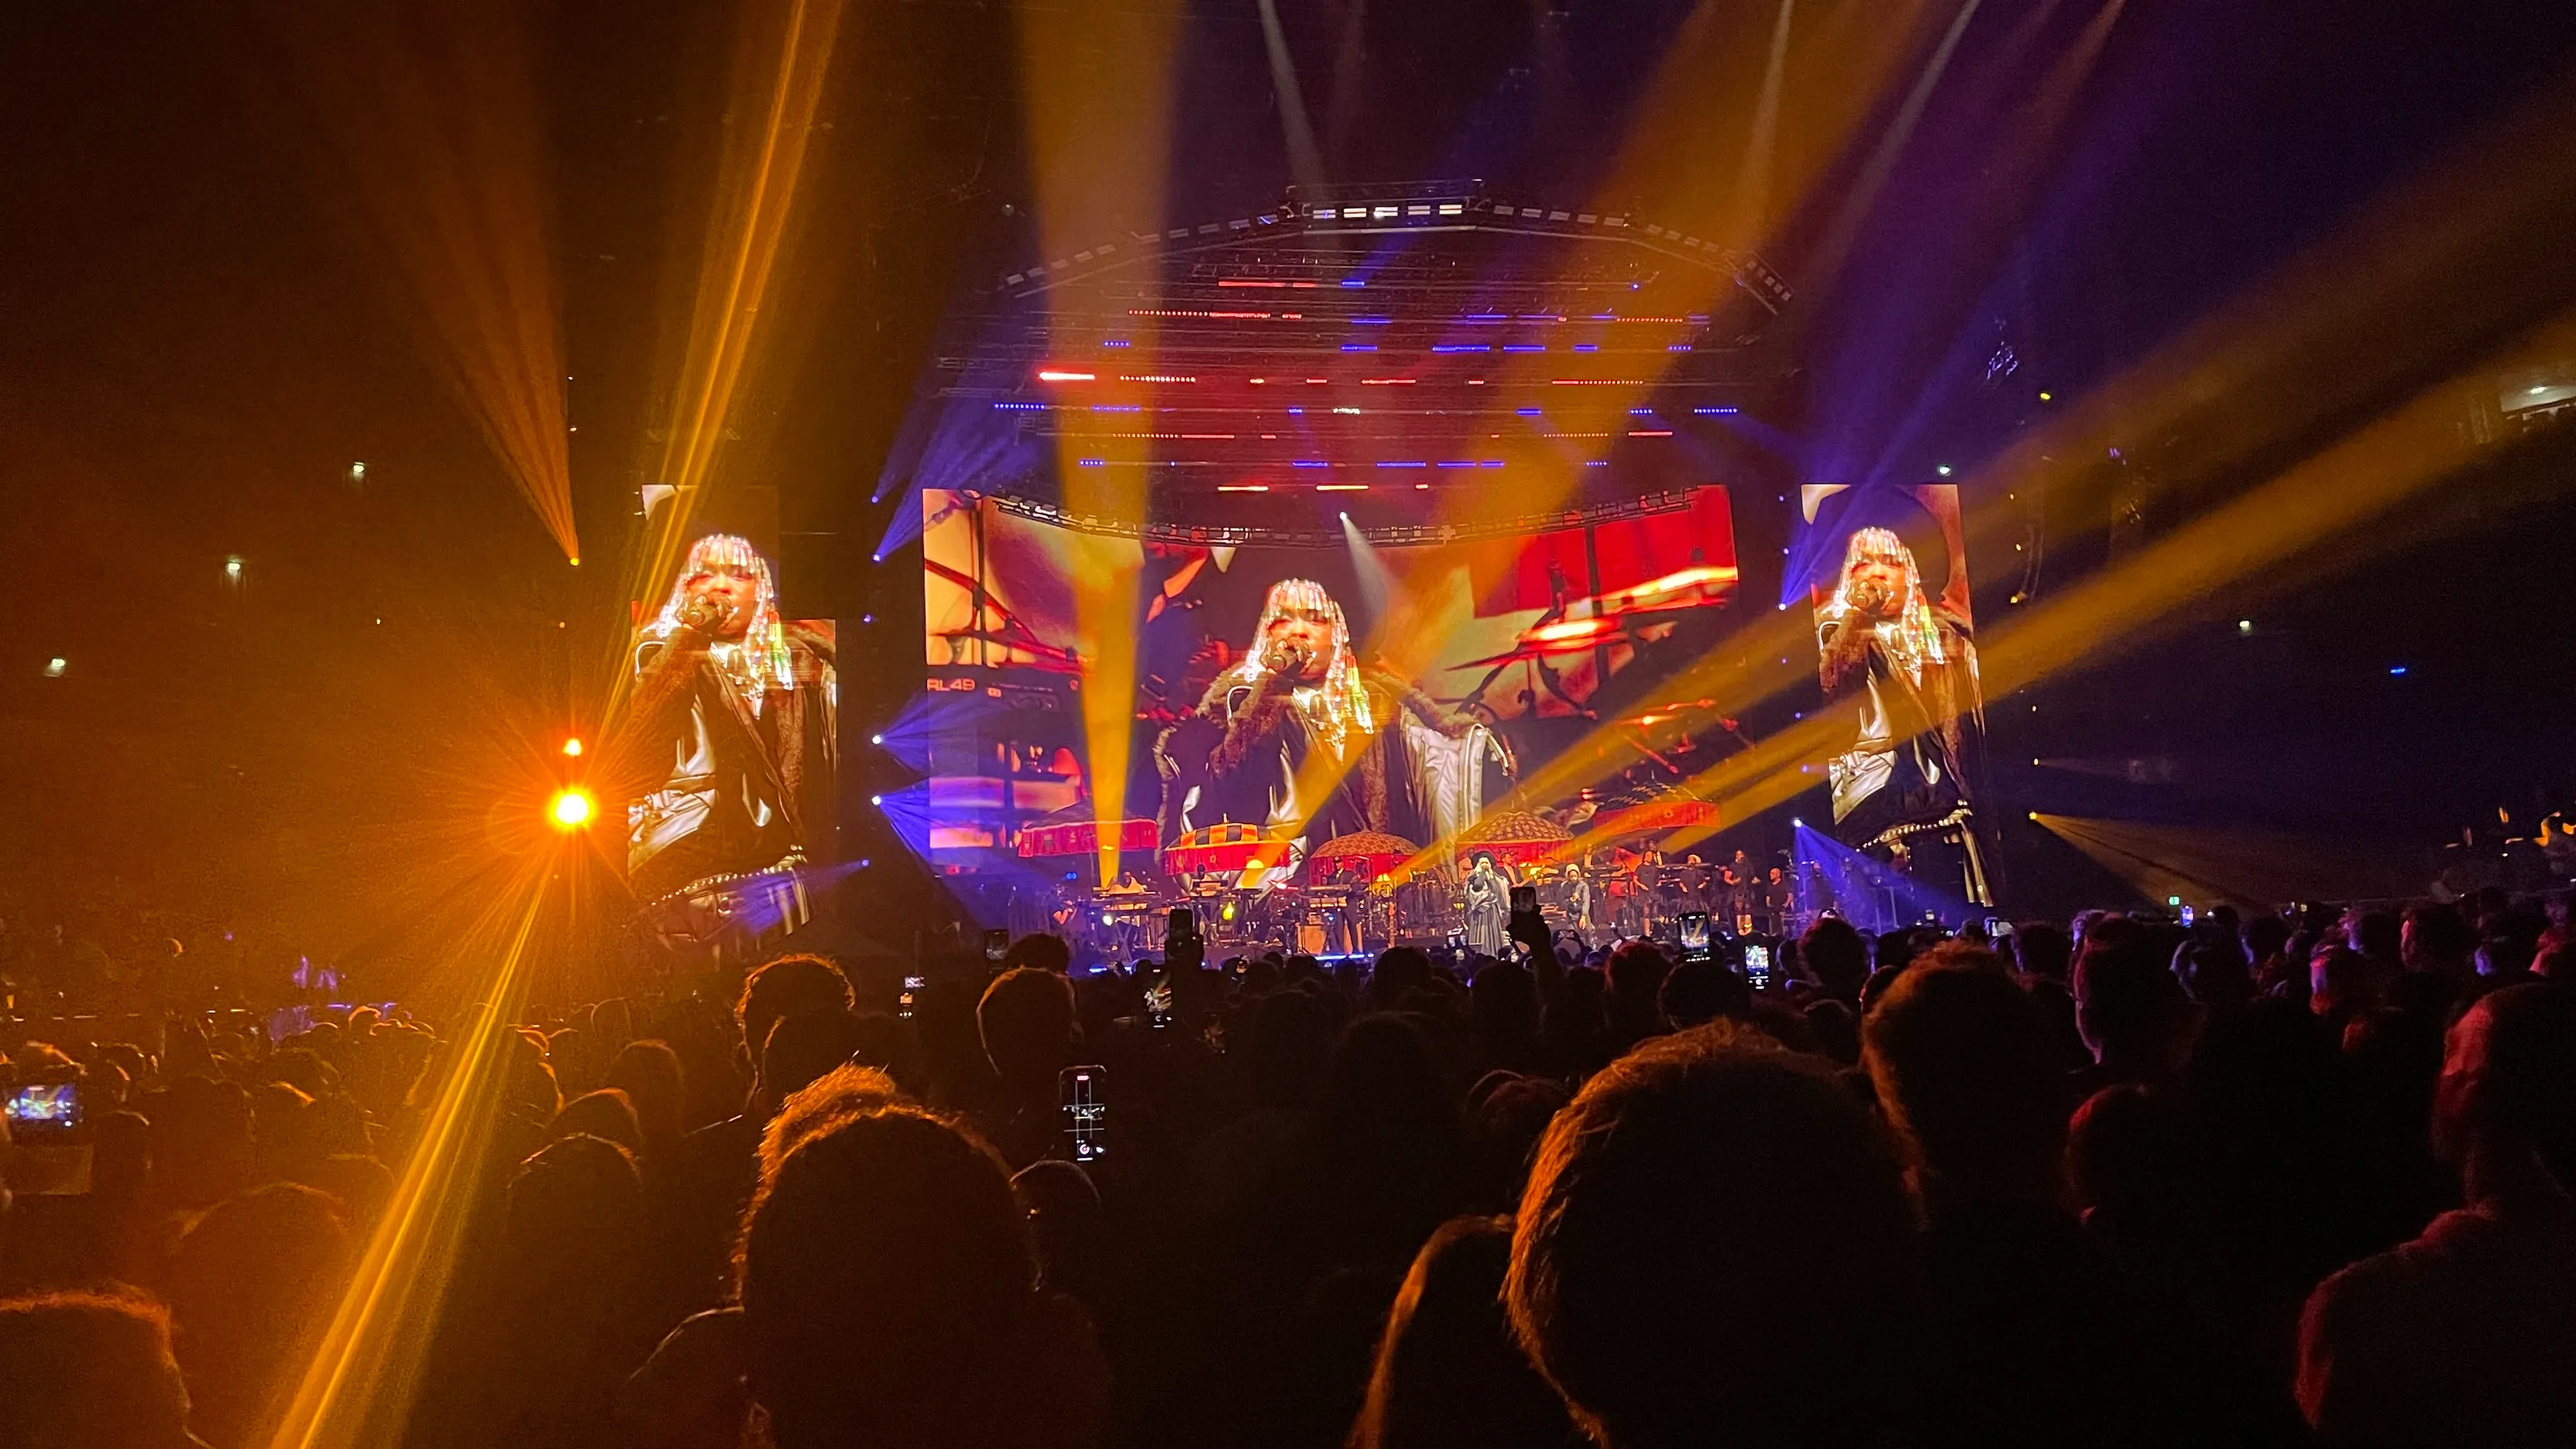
<point x="2253" y="1181"/>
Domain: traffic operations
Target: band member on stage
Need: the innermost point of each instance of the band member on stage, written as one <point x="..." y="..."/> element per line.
<point x="1647" y="910"/>
<point x="732" y="734"/>
<point x="1489" y="894"/>
<point x="1743" y="892"/>
<point x="1397" y="762"/>
<point x="1779" y="903"/>
<point x="1908" y="669"/>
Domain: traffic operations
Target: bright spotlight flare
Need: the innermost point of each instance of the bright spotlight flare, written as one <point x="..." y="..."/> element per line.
<point x="571" y="809"/>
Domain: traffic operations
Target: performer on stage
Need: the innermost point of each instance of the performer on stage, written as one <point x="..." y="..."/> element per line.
<point x="1779" y="904"/>
<point x="732" y="732"/>
<point x="1908" y="668"/>
<point x="1743" y="892"/>
<point x="1400" y="763"/>
<point x="1489" y="894"/>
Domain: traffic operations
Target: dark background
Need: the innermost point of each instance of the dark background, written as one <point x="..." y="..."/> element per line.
<point x="195" y="349"/>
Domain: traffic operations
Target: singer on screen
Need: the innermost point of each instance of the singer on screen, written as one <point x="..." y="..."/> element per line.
<point x="1907" y="668"/>
<point x="733" y="724"/>
<point x="1397" y="761"/>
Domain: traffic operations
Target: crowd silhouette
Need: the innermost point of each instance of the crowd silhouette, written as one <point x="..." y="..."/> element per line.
<point x="2271" y="1181"/>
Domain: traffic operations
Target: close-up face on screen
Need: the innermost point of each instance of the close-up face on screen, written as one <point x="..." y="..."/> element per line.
<point x="1399" y="689"/>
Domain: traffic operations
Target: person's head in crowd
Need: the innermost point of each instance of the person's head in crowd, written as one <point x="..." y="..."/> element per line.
<point x="846" y="1091"/>
<point x="120" y="1156"/>
<point x="360" y="1184"/>
<point x="648" y="1072"/>
<point x="1068" y="1228"/>
<point x="574" y="1215"/>
<point x="2504" y="1109"/>
<point x="2506" y="956"/>
<point x="1892" y="950"/>
<point x="89" y="1370"/>
<point x="784" y="987"/>
<point x="2042" y="948"/>
<point x="1384" y="1087"/>
<point x="889" y="1297"/>
<point x="1697" y="992"/>
<point x="2225" y="923"/>
<point x="2080" y="930"/>
<point x="202" y="1144"/>
<point x="2377" y="935"/>
<point x="1635" y="975"/>
<point x="302" y="1068"/>
<point x="1647" y="1280"/>
<point x="1503" y="1007"/>
<point x="801" y="1048"/>
<point x="1027" y="1024"/>
<point x="1837" y="956"/>
<point x="2436" y="937"/>
<point x="604" y="1113"/>
<point x="533" y="1086"/>
<point x="2342" y="983"/>
<point x="252" y="1286"/>
<point x="129" y="1058"/>
<point x="286" y="1132"/>
<point x="2128" y="1157"/>
<point x="1836" y="1029"/>
<point x="1968" y="1074"/>
<point x="1399" y="971"/>
<point x="2556" y="963"/>
<point x="1291" y="1039"/>
<point x="613" y="1022"/>
<point x="1261" y="976"/>
<point x="2133" y="1015"/>
<point x="1041" y="952"/>
<point x="2265" y="937"/>
<point x="1506" y="1112"/>
<point x="2214" y="973"/>
<point x="1448" y="1375"/>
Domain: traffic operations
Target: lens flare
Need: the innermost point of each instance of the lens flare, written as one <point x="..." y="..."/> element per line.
<point x="570" y="809"/>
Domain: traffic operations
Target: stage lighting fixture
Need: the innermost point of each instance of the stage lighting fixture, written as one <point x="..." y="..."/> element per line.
<point x="55" y="666"/>
<point x="2396" y="671"/>
<point x="2244" y="626"/>
<point x="2043" y="397"/>
<point x="2538" y="390"/>
<point x="233" y="568"/>
<point x="1943" y="470"/>
<point x="876" y="799"/>
<point x="357" y="472"/>
<point x="876" y="739"/>
<point x="569" y="810"/>
<point x="572" y="747"/>
<point x="1797" y="824"/>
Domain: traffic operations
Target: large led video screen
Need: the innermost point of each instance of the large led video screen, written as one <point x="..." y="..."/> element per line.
<point x="1886" y="573"/>
<point x="1304" y="693"/>
<point x="727" y="755"/>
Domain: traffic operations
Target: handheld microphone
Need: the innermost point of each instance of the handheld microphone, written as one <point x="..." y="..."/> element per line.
<point x="700" y="614"/>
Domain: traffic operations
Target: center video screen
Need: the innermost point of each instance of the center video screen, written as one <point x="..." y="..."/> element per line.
<point x="1268" y="700"/>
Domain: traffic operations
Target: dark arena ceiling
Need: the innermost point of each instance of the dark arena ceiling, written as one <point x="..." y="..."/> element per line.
<point x="1402" y="352"/>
